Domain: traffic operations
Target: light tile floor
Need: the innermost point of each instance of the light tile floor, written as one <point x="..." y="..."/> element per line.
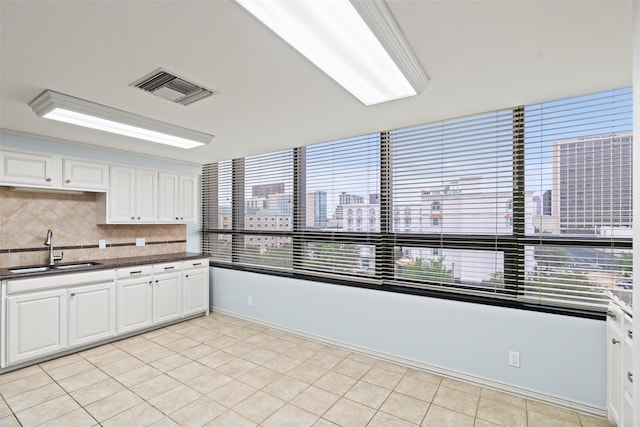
<point x="223" y="371"/>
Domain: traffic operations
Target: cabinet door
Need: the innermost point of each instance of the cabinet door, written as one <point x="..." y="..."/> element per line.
<point x="146" y="195"/>
<point x="85" y="175"/>
<point x="187" y="201"/>
<point x="195" y="294"/>
<point x="36" y="325"/>
<point x="168" y="200"/>
<point x="28" y="169"/>
<point x="122" y="194"/>
<point x="135" y="304"/>
<point x="92" y="313"/>
<point x="615" y="383"/>
<point x="167" y="297"/>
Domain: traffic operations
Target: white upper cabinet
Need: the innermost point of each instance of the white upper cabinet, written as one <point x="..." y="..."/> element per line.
<point x="126" y="194"/>
<point x="146" y="195"/>
<point x="176" y="198"/>
<point x="85" y="175"/>
<point x="48" y="171"/>
<point x="188" y="199"/>
<point x="28" y="169"/>
<point x="132" y="197"/>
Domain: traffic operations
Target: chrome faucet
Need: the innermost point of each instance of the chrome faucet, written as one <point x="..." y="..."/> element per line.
<point x="49" y="242"/>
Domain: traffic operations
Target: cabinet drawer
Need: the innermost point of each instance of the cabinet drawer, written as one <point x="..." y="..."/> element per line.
<point x="59" y="280"/>
<point x="195" y="263"/>
<point x="169" y="267"/>
<point x="132" y="272"/>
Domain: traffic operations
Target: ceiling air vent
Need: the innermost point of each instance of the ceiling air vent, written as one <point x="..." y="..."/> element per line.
<point x="169" y="86"/>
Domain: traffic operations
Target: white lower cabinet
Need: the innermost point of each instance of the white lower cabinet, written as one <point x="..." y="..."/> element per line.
<point x="619" y="367"/>
<point x="36" y="324"/>
<point x="195" y="282"/>
<point x="135" y="304"/>
<point x="167" y="292"/>
<point x="92" y="313"/>
<point x="47" y="315"/>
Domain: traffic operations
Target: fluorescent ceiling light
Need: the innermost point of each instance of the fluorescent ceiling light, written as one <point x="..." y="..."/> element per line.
<point x="356" y="43"/>
<point x="65" y="108"/>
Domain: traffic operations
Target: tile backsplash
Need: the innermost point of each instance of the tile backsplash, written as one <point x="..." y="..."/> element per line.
<point x="25" y="218"/>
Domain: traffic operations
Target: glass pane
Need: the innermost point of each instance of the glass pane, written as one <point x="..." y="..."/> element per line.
<point x="268" y="251"/>
<point x="343" y="185"/>
<point x="475" y="268"/>
<point x="218" y="246"/>
<point x="454" y="177"/>
<point x="268" y="191"/>
<point x="578" y="167"/>
<point x="577" y="275"/>
<point x="340" y="258"/>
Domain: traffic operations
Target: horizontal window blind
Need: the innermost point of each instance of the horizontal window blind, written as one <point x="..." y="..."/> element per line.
<point x="268" y="210"/>
<point x="216" y="207"/>
<point x="529" y="205"/>
<point x="341" y="181"/>
<point x="578" y="175"/>
<point x="453" y="178"/>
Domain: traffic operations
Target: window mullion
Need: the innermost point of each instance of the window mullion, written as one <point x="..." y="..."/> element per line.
<point x="237" y="209"/>
<point x="514" y="254"/>
<point x="384" y="249"/>
<point x="299" y="205"/>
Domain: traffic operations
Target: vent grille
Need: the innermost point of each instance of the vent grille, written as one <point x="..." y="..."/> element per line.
<point x="173" y="88"/>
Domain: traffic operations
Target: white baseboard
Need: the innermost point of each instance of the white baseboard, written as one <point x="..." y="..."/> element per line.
<point x="473" y="379"/>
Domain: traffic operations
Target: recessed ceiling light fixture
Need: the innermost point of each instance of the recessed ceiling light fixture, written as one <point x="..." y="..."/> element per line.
<point x="356" y="43"/>
<point x="68" y="109"/>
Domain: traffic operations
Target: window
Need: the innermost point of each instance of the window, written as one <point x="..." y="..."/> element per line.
<point x="578" y="176"/>
<point x="342" y="183"/>
<point x="537" y="202"/>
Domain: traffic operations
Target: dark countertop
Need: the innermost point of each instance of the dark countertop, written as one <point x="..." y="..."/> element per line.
<point x="104" y="264"/>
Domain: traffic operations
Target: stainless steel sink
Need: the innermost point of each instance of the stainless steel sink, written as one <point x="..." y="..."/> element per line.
<point x="41" y="268"/>
<point x="29" y="269"/>
<point x="78" y="265"/>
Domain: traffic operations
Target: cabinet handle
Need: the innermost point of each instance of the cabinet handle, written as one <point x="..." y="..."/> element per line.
<point x="630" y="333"/>
<point x="73" y="294"/>
<point x="156" y="281"/>
<point x="48" y="180"/>
<point x="181" y="218"/>
<point x="614" y="341"/>
<point x="150" y="281"/>
<point x="136" y="272"/>
<point x="612" y="315"/>
<point x="176" y="218"/>
<point x="169" y="268"/>
<point x="133" y="217"/>
<point x="67" y="181"/>
<point x="197" y="263"/>
<point x="630" y="377"/>
<point x="138" y="217"/>
<point x="187" y="276"/>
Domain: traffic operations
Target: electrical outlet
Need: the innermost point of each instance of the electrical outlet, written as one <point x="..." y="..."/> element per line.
<point x="249" y="301"/>
<point x="102" y="244"/>
<point x="514" y="359"/>
<point x="140" y="241"/>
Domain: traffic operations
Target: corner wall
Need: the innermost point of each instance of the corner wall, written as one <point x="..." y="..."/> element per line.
<point x="563" y="359"/>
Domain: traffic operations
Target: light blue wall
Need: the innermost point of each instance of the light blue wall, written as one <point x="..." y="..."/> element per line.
<point x="561" y="356"/>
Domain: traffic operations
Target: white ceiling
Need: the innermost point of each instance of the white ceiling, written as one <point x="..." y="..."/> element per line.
<point x="480" y="55"/>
